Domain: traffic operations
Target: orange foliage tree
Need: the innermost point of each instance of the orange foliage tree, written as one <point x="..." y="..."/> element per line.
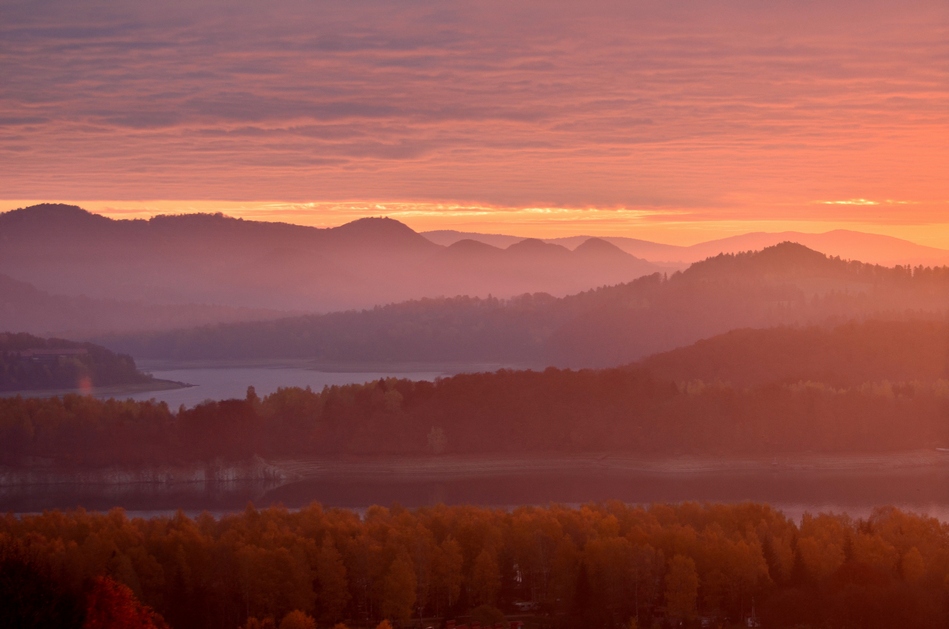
<point x="112" y="605"/>
<point x="593" y="566"/>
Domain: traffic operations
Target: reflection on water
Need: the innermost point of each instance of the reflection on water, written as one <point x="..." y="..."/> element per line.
<point x="222" y="383"/>
<point x="924" y="492"/>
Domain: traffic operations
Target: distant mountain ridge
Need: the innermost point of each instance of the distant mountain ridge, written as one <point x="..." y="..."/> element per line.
<point x="67" y="271"/>
<point x="221" y="261"/>
<point x="787" y="284"/>
<point x="852" y="245"/>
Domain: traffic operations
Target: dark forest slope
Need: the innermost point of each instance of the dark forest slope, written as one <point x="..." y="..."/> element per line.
<point x="843" y="356"/>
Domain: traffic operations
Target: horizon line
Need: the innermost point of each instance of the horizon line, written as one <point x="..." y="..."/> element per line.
<point x="663" y="227"/>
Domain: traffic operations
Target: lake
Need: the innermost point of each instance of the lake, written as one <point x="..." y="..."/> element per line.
<point x="222" y="381"/>
<point x="216" y="382"/>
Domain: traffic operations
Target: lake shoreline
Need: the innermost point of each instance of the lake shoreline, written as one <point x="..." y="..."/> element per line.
<point x="461" y="467"/>
<point x="401" y="469"/>
<point x="855" y="484"/>
<point x="255" y="469"/>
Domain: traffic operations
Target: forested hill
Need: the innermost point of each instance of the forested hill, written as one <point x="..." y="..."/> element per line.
<point x="787" y="284"/>
<point x="841" y="356"/>
<point x="31" y="363"/>
<point x="446" y="329"/>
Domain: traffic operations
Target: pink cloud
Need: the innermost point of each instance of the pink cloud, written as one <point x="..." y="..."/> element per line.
<point x="726" y="109"/>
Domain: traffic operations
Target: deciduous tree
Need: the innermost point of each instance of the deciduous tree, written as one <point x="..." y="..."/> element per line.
<point x="682" y="587"/>
<point x="485" y="578"/>
<point x="399" y="589"/>
<point x="333" y="586"/>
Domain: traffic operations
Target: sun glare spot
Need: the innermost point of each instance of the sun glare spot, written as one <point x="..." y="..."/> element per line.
<point x="851" y="202"/>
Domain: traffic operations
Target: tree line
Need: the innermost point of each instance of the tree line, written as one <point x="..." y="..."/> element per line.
<point x="600" y="565"/>
<point x="846" y="355"/>
<point x="611" y="410"/>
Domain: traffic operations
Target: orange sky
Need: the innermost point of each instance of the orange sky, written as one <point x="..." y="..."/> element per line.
<point x="668" y="121"/>
<point x="669" y="227"/>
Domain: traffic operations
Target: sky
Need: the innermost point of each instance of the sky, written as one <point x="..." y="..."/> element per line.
<point x="671" y="121"/>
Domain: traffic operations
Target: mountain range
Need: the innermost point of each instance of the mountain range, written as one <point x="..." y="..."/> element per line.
<point x="214" y="260"/>
<point x="787" y="284"/>
<point x="68" y="272"/>
<point x="850" y="245"/>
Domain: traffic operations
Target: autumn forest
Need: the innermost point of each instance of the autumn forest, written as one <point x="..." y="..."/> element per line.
<point x="608" y="565"/>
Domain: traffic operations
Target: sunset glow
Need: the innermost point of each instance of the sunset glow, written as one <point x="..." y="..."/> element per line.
<point x="668" y="122"/>
<point x="384" y="314"/>
<point x="671" y="226"/>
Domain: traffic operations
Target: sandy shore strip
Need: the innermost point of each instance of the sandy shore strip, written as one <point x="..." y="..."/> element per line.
<point x="480" y="466"/>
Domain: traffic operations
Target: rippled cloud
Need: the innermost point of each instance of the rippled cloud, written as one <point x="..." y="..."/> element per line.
<point x="719" y="110"/>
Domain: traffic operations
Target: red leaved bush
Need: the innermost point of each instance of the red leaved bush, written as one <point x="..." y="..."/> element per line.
<point x="112" y="605"/>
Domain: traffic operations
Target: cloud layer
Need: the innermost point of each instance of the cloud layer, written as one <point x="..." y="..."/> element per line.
<point x="723" y="110"/>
